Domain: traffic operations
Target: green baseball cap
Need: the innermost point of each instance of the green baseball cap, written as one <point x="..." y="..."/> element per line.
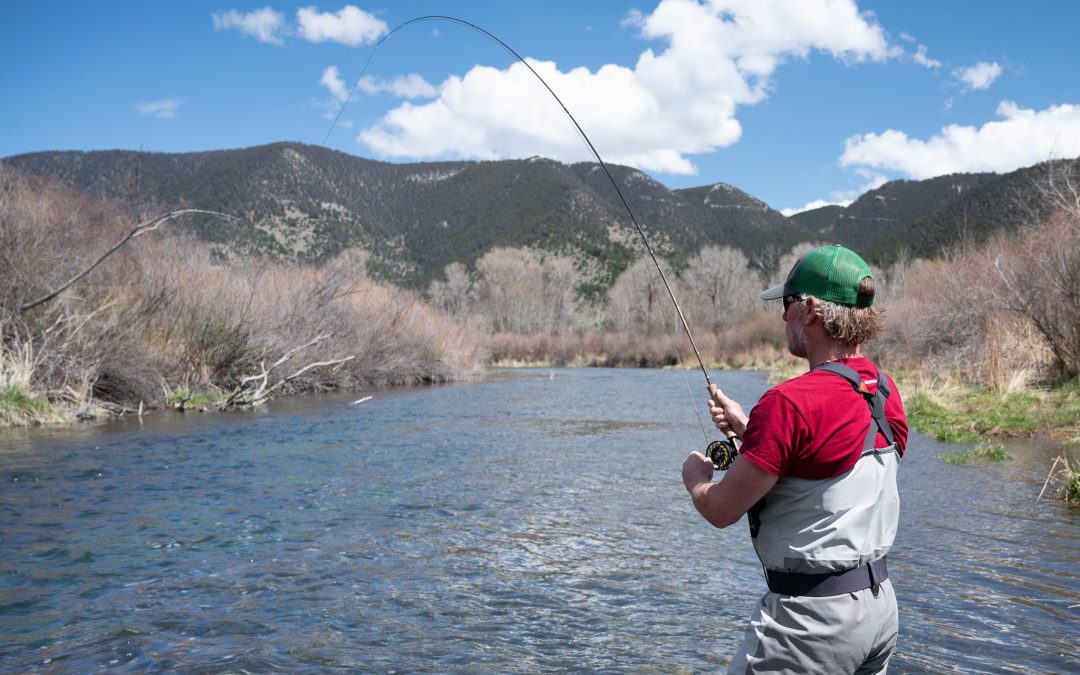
<point x="830" y="273"/>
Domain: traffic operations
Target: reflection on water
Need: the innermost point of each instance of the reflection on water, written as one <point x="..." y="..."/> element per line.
<point x="532" y="521"/>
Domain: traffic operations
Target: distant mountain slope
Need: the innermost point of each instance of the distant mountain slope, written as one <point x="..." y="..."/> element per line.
<point x="1007" y="202"/>
<point x="876" y="213"/>
<point x="305" y="202"/>
<point x="308" y="203"/>
<point x="737" y="217"/>
<point x="925" y="217"/>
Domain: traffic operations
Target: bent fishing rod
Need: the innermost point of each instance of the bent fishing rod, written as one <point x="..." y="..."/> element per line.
<point x="722" y="452"/>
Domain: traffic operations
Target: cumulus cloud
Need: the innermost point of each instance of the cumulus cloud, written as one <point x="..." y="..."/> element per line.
<point x="1021" y="138"/>
<point x="165" y="108"/>
<point x="842" y="197"/>
<point x="672" y="103"/>
<point x="265" y="25"/>
<point x="979" y="76"/>
<point x="331" y="79"/>
<point x="922" y="59"/>
<point x="405" y="86"/>
<point x="351" y="26"/>
<point x="810" y="206"/>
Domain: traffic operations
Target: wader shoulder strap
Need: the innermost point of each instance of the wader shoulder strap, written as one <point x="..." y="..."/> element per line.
<point x="875" y="401"/>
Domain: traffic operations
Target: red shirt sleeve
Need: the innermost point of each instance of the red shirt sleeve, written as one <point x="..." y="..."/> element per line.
<point x="774" y="431"/>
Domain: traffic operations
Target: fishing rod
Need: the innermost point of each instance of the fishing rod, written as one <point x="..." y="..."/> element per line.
<point x="722" y="452"/>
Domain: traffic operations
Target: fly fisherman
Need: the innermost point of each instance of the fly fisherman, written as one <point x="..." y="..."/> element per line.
<point x="816" y="475"/>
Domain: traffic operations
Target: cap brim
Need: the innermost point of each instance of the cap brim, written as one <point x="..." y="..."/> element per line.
<point x="774" y="293"/>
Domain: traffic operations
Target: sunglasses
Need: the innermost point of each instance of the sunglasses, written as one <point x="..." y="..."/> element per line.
<point x="789" y="300"/>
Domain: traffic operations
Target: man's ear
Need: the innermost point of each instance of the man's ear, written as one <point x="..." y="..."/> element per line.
<point x="811" y="304"/>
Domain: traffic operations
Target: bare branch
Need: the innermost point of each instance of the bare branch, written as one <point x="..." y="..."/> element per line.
<point x="245" y="395"/>
<point x="141" y="228"/>
<point x="318" y="364"/>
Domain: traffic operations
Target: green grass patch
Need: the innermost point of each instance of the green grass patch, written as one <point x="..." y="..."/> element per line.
<point x="969" y="414"/>
<point x="983" y="452"/>
<point x="194" y="399"/>
<point x="1071" y="489"/>
<point x="1067" y="480"/>
<point x="20" y="409"/>
<point x="934" y="419"/>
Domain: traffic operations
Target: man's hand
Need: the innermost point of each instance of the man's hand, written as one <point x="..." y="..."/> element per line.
<point x="727" y="414"/>
<point x="724" y="503"/>
<point x="695" y="471"/>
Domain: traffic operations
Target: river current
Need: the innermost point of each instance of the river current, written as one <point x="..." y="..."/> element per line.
<point x="533" y="521"/>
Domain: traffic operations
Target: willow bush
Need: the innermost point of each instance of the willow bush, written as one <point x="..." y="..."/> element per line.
<point x="169" y="313"/>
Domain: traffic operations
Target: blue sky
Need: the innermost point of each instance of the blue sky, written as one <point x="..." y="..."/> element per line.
<point x="798" y="103"/>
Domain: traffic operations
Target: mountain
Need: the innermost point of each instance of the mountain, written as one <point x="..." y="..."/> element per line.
<point x="925" y="217"/>
<point x="307" y="203"/>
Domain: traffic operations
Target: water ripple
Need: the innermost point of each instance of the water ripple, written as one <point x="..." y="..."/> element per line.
<point x="521" y="524"/>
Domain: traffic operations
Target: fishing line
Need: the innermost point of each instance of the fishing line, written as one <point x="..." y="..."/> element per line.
<point x="713" y="389"/>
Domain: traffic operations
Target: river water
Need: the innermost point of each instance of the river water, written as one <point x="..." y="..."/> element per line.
<point x="534" y="521"/>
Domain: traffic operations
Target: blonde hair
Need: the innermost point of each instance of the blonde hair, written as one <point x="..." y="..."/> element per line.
<point x="852" y="324"/>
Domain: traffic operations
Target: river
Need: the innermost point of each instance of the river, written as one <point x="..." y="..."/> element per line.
<point x="533" y="521"/>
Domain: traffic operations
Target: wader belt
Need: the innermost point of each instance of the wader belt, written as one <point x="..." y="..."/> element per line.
<point x="865" y="576"/>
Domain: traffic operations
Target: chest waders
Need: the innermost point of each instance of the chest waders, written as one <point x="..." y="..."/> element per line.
<point x="868" y="574"/>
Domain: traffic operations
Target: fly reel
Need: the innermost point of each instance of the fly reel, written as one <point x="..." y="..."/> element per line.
<point x="722" y="453"/>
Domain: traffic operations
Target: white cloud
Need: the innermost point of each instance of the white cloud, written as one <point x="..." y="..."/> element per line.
<point x="843" y="197"/>
<point x="265" y="25"/>
<point x="351" y="26"/>
<point x="405" y="86"/>
<point x="165" y="108"/>
<point x="1021" y="138"/>
<point x="331" y="79"/>
<point x="809" y="206"/>
<point x="979" y="76"/>
<point x="922" y="59"/>
<point x="673" y="103"/>
<point x="874" y="180"/>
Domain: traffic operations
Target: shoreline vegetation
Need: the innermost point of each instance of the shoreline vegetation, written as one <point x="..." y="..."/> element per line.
<point x="984" y="340"/>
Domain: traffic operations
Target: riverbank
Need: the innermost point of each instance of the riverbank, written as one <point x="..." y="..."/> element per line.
<point x="950" y="411"/>
<point x="944" y="409"/>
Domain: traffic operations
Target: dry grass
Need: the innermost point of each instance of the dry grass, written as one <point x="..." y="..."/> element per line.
<point x="753" y="342"/>
<point x="167" y="313"/>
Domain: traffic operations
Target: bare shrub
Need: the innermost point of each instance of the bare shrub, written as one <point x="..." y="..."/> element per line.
<point x="1038" y="278"/>
<point x="166" y="312"/>
<point x="638" y="302"/>
<point x="517" y="290"/>
<point x="718" y="286"/>
<point x="457" y="295"/>
<point x="940" y="322"/>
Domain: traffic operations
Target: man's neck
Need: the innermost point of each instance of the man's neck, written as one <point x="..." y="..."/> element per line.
<point x="831" y="351"/>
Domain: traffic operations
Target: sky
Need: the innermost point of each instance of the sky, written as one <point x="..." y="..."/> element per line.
<point x="798" y="102"/>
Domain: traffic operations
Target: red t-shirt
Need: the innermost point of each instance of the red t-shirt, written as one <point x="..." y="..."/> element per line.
<point x="814" y="426"/>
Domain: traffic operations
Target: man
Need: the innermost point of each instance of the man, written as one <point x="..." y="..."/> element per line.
<point x="817" y="475"/>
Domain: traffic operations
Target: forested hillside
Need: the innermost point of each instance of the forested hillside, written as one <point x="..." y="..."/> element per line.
<point x="304" y="203"/>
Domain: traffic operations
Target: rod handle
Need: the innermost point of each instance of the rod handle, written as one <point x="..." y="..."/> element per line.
<point x="714" y="393"/>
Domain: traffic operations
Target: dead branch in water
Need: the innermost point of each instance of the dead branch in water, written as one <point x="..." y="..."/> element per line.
<point x="246" y="394"/>
<point x="141" y="228"/>
<point x="1053" y="468"/>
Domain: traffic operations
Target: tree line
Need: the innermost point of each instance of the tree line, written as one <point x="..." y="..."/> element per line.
<point x="169" y="318"/>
